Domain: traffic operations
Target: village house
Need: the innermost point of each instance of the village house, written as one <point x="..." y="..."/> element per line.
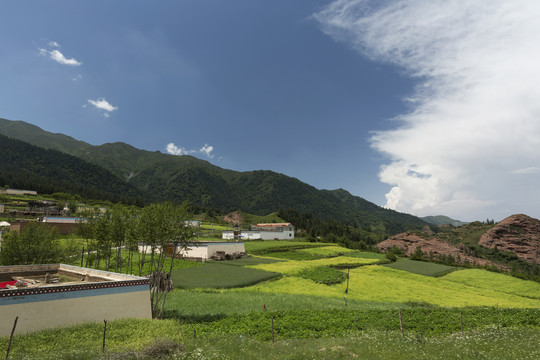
<point x="48" y="296"/>
<point x="203" y="251"/>
<point x="263" y="231"/>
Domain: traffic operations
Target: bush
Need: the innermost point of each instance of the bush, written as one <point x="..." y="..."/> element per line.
<point x="391" y="256"/>
<point x="323" y="275"/>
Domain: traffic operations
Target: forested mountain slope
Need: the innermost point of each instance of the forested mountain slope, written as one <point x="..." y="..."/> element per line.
<point x="26" y="166"/>
<point x="204" y="185"/>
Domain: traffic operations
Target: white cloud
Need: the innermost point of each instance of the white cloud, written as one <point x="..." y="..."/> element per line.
<point x="57" y="56"/>
<point x="207" y="149"/>
<point x="475" y="112"/>
<point x="77" y="77"/>
<point x="103" y="104"/>
<point x="528" y="170"/>
<point x="60" y="58"/>
<point x="175" y="150"/>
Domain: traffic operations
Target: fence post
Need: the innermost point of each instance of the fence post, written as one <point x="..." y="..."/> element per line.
<point x="348" y="271"/>
<point x="461" y="321"/>
<point x="11" y="337"/>
<point x="400" y="322"/>
<point x="82" y="256"/>
<point x="273" y="330"/>
<point x="104" y="331"/>
<point x="498" y="329"/>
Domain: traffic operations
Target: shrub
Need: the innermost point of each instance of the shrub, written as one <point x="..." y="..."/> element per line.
<point x="323" y="275"/>
<point x="391" y="256"/>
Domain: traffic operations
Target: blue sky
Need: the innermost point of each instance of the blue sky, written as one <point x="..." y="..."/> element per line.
<point x="389" y="100"/>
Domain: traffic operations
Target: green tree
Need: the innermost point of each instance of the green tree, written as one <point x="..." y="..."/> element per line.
<point x="36" y="244"/>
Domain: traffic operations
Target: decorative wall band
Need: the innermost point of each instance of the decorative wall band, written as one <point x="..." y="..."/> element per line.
<point x="67" y="288"/>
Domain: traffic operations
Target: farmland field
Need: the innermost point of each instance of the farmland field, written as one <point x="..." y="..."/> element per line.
<point x="219" y="275"/>
<point x="421" y="267"/>
<point x="226" y="311"/>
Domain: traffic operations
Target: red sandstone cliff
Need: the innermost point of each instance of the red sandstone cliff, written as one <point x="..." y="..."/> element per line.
<point x="519" y="234"/>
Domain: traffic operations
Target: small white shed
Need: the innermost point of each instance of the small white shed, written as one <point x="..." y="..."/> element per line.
<point x="206" y="250"/>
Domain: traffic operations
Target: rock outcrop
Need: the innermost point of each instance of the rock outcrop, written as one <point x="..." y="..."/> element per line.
<point x="431" y="247"/>
<point x="519" y="234"/>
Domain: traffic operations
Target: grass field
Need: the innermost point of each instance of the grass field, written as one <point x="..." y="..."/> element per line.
<point x="315" y="320"/>
<point x="421" y="267"/>
<point x="317" y="335"/>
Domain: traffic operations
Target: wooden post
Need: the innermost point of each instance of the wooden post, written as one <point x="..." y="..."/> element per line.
<point x="273" y="339"/>
<point x="461" y="321"/>
<point x="82" y="256"/>
<point x="498" y="316"/>
<point x="104" y="331"/>
<point x="400" y="322"/>
<point x="11" y="337"/>
<point x="348" y="271"/>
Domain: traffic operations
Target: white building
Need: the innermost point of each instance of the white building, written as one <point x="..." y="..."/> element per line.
<point x="277" y="231"/>
<point x="207" y="250"/>
<point x="19" y="192"/>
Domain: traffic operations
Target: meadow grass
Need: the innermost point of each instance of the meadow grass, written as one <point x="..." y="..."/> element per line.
<point x="421" y="267"/>
<point x="484" y="344"/>
<point x="322" y="333"/>
<point x="198" y="305"/>
<point x="483" y="279"/>
<point x="219" y="275"/>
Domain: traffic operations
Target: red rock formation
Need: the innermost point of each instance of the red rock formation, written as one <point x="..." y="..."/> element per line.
<point x="431" y="246"/>
<point x="234" y="218"/>
<point x="519" y="234"/>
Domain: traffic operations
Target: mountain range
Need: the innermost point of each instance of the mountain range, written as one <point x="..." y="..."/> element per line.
<point x="142" y="175"/>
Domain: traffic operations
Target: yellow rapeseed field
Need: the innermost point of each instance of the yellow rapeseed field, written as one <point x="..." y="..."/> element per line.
<point x="383" y="284"/>
<point x="292" y="267"/>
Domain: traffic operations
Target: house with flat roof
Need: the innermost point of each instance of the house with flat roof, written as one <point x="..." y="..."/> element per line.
<point x="48" y="296"/>
<point x="263" y="231"/>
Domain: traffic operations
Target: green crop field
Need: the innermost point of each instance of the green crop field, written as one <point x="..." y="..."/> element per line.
<point x="262" y="247"/>
<point x="421" y="267"/>
<point x="219" y="275"/>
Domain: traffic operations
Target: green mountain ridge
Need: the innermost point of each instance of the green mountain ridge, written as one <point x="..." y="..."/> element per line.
<point x="443" y="220"/>
<point x="28" y="166"/>
<point x="207" y="186"/>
